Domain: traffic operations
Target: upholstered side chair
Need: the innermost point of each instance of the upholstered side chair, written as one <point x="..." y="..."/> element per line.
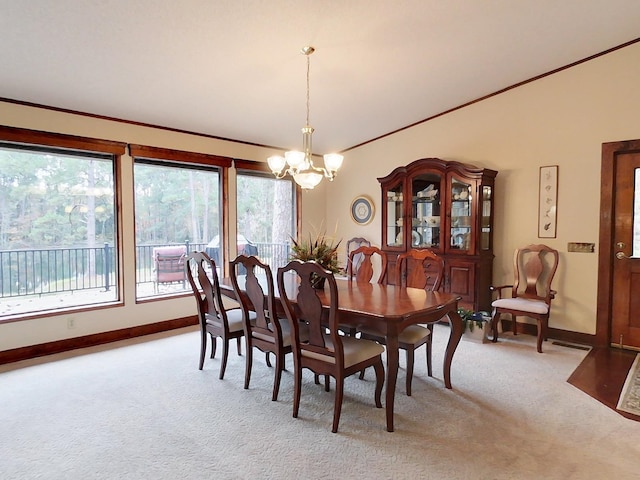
<point x="534" y="267"/>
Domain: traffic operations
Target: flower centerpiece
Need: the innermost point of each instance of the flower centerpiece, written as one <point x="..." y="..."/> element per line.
<point x="321" y="249"/>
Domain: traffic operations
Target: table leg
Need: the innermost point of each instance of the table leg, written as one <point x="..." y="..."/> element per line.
<point x="457" y="328"/>
<point x="393" y="355"/>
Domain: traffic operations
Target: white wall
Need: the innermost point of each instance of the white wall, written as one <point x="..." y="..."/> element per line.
<point x="562" y="119"/>
<point x="559" y="120"/>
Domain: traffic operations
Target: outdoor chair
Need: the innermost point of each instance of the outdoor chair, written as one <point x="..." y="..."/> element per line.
<point x="168" y="265"/>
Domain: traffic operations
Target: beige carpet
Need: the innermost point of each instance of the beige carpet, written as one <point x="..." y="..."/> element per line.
<point x="630" y="396"/>
<point x="142" y="410"/>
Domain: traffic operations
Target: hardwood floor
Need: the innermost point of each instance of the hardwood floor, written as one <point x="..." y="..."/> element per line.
<point x="602" y="374"/>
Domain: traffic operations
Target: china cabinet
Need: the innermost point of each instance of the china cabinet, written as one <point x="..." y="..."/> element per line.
<point x="447" y="207"/>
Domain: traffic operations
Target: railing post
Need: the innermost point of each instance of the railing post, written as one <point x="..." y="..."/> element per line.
<point x="107" y="267"/>
<point x="186" y="244"/>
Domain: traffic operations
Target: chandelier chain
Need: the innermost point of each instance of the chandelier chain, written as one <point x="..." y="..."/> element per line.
<point x="308" y="97"/>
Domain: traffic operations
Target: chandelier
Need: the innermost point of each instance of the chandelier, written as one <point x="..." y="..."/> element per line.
<point x="300" y="164"/>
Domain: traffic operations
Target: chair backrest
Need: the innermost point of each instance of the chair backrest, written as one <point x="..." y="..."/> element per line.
<point x="168" y="263"/>
<point x="420" y="269"/>
<point x="306" y="304"/>
<point x="201" y="273"/>
<point x="364" y="273"/>
<point x="353" y="244"/>
<point x="534" y="267"/>
<point x="252" y="297"/>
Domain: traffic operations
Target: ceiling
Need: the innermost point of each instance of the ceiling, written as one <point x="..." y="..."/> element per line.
<point x="233" y="68"/>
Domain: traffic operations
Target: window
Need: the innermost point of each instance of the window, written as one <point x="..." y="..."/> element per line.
<point x="178" y="209"/>
<point x="58" y="235"/>
<point x="266" y="216"/>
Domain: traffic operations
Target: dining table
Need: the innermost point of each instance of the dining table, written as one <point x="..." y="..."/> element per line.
<point x="387" y="310"/>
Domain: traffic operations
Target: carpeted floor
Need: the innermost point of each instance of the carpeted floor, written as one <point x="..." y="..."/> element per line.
<point x="142" y="410"/>
<point x="630" y="396"/>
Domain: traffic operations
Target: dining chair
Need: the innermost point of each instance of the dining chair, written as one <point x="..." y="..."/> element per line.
<point x="365" y="270"/>
<point x="418" y="269"/>
<point x="216" y="321"/>
<point x="325" y="352"/>
<point x="353" y="263"/>
<point x="534" y="267"/>
<point x="262" y="327"/>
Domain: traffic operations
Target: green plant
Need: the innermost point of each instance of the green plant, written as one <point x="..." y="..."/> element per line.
<point x="471" y="319"/>
<point x="321" y="249"/>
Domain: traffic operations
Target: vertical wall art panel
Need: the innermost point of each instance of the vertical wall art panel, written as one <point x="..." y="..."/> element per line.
<point x="548" y="202"/>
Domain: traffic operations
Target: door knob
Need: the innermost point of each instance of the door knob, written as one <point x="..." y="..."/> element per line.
<point x="621" y="255"/>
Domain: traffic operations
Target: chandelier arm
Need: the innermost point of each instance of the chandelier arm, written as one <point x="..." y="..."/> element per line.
<point x="322" y="170"/>
<point x="317" y="169"/>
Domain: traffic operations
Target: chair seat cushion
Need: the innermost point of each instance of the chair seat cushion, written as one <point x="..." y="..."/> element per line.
<point x="356" y="350"/>
<point x="286" y="333"/>
<point x="522" y="304"/>
<point x="234" y="317"/>
<point x="411" y="334"/>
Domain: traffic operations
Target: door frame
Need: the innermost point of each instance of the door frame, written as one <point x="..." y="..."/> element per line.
<point x="610" y="152"/>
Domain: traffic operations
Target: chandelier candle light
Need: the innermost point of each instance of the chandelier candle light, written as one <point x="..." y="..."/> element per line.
<point x="300" y="164"/>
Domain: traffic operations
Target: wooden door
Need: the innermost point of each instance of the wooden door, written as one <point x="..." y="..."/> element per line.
<point x="619" y="277"/>
<point x="625" y="313"/>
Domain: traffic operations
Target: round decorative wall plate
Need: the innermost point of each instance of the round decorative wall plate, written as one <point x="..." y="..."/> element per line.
<point x="362" y="210"/>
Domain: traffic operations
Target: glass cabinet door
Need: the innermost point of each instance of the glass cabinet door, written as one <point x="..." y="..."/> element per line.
<point x="395" y="219"/>
<point x="461" y="207"/>
<point x="425" y="211"/>
<point x="485" y="221"/>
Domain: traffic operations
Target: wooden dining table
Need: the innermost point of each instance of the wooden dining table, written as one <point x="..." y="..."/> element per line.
<point x="388" y="310"/>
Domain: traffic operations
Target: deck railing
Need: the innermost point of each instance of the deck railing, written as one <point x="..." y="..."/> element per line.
<point x="44" y="271"/>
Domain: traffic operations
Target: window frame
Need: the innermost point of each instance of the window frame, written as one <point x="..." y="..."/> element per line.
<point x="184" y="159"/>
<point x="38" y="140"/>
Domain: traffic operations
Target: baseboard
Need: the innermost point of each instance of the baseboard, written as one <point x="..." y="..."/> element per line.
<point x="49" y="348"/>
<point x="33" y="351"/>
<point x="555" y="333"/>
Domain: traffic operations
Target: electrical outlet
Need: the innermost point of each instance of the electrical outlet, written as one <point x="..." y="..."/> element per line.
<point x="71" y="323"/>
<point x="581" y="247"/>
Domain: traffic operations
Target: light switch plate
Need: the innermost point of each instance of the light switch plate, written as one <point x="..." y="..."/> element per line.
<point x="581" y="247"/>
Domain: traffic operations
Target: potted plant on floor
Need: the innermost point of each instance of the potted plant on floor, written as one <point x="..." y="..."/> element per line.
<point x="476" y="325"/>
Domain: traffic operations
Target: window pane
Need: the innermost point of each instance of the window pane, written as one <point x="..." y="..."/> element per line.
<point x="57" y="229"/>
<point x="265" y="217"/>
<point x="177" y="210"/>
